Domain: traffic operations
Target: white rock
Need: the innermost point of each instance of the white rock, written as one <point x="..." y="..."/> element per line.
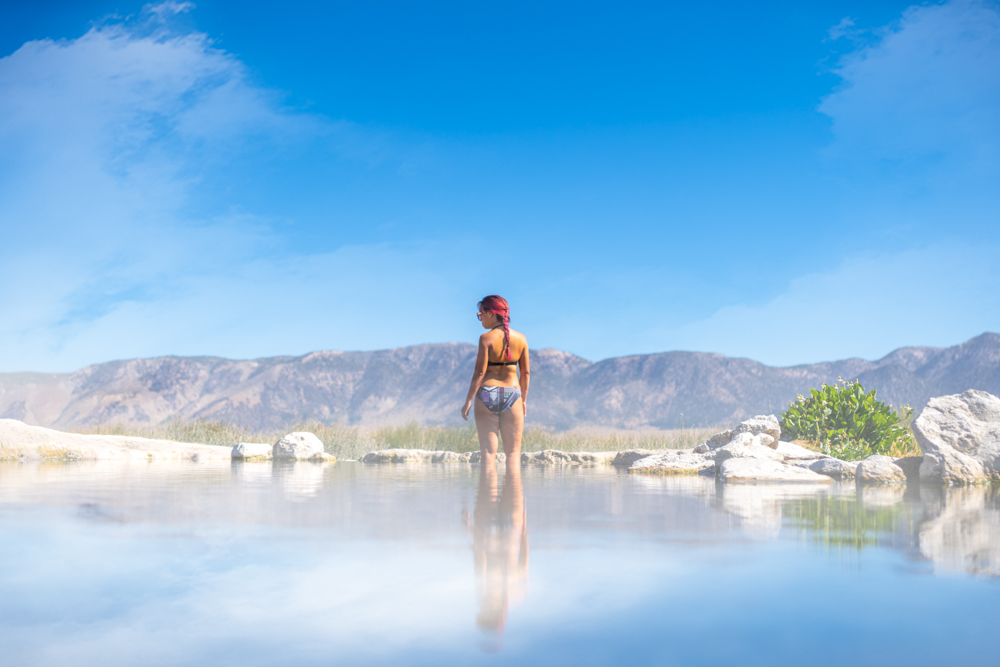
<point x="743" y="470"/>
<point x="627" y="458"/>
<point x="762" y="425"/>
<point x="746" y="445"/>
<point x="475" y="456"/>
<point x="833" y="467"/>
<point x="554" y="456"/>
<point x="19" y="441"/>
<point x="298" y="446"/>
<point x="960" y="438"/>
<point x="764" y="428"/>
<point x="673" y="463"/>
<point x="951" y="467"/>
<point x="878" y="469"/>
<point x="792" y="451"/>
<point x="252" y="450"/>
<point x="416" y="456"/>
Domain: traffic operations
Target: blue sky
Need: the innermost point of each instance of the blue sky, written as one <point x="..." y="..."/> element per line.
<point x="791" y="182"/>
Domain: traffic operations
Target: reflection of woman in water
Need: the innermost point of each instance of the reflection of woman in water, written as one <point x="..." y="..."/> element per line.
<point x="502" y="403"/>
<point x="500" y="526"/>
<point x="499" y="544"/>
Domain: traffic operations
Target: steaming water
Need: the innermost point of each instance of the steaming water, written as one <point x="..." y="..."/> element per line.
<point x="254" y="564"/>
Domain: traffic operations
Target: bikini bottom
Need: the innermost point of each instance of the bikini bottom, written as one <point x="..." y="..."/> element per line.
<point x="499" y="400"/>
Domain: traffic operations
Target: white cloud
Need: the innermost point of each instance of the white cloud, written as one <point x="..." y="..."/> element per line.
<point x="866" y="307"/>
<point x="928" y="87"/>
<point x="105" y="139"/>
<point x="357" y="297"/>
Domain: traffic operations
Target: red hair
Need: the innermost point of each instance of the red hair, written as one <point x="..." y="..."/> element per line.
<point x="498" y="306"/>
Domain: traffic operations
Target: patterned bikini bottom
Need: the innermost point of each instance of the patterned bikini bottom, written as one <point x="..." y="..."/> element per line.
<point x="499" y="400"/>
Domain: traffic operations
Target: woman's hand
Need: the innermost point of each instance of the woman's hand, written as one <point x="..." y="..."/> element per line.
<point x="524" y="406"/>
<point x="465" y="410"/>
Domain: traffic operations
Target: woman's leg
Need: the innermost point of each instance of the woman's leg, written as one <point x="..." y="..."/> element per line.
<point x="487" y="425"/>
<point x="511" y="429"/>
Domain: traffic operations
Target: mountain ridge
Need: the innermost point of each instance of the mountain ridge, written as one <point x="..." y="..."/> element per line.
<point x="427" y="384"/>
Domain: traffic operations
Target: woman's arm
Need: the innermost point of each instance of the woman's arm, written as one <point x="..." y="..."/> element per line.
<point x="477" y="377"/>
<point x="525" y="367"/>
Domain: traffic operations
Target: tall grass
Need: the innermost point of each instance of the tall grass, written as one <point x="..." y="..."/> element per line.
<point x="352" y="442"/>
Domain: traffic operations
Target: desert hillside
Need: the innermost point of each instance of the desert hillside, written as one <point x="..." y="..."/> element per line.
<point x="426" y="383"/>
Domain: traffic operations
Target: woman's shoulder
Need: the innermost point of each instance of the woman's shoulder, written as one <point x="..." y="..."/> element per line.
<point x="517" y="335"/>
<point x="490" y="336"/>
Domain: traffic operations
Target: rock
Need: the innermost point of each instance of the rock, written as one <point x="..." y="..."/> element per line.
<point x="298" y="446"/>
<point x="762" y="425"/>
<point x="19" y="441"/>
<point x="878" y="469"/>
<point x="910" y="466"/>
<point x="450" y="457"/>
<point x="834" y="468"/>
<point x="554" y="456"/>
<point x="417" y="456"/>
<point x="960" y="438"/>
<point x="474" y="457"/>
<point x="252" y="450"/>
<point x="746" y="445"/>
<point x="952" y="468"/>
<point x="743" y="470"/>
<point x="764" y="428"/>
<point x="673" y="463"/>
<point x="792" y="451"/>
<point x="627" y="458"/>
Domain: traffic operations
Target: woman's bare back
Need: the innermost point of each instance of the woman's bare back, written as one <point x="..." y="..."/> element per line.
<point x="506" y="375"/>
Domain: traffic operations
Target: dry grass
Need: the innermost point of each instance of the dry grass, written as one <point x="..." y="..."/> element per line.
<point x="351" y="442"/>
<point x="898" y="449"/>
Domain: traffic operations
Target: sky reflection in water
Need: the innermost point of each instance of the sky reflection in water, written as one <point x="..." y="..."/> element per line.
<point x="254" y="564"/>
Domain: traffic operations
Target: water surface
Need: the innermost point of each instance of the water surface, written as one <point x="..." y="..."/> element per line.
<point x="260" y="564"/>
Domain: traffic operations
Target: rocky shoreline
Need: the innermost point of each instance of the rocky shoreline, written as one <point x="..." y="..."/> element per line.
<point x="959" y="436"/>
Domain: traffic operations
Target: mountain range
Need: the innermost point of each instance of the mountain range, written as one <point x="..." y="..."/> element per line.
<point x="427" y="384"/>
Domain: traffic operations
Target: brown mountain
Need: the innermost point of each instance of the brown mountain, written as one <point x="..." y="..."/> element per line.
<point x="426" y="383"/>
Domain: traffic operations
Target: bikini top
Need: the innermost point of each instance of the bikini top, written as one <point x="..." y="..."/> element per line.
<point x="500" y="363"/>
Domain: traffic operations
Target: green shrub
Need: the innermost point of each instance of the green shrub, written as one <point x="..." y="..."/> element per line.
<point x="848" y="423"/>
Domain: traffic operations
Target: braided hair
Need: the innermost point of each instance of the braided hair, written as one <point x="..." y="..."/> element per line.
<point x="498" y="306"/>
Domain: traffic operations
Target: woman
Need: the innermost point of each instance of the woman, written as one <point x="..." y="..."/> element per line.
<point x="502" y="403"/>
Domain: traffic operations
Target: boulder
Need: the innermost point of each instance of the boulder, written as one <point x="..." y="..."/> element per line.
<point x="834" y="468"/>
<point x="554" y="456"/>
<point x="792" y="451"/>
<point x="960" y="438"/>
<point x="416" y="456"/>
<point x="746" y="445"/>
<point x="450" y="457"/>
<point x="627" y="458"/>
<point x="475" y="456"/>
<point x="298" y="446"/>
<point x="252" y="450"/>
<point x="952" y="468"/>
<point x="22" y="442"/>
<point x="764" y="428"/>
<point x="673" y="463"/>
<point x="877" y="469"/>
<point x="744" y="470"/>
<point x="910" y="466"/>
